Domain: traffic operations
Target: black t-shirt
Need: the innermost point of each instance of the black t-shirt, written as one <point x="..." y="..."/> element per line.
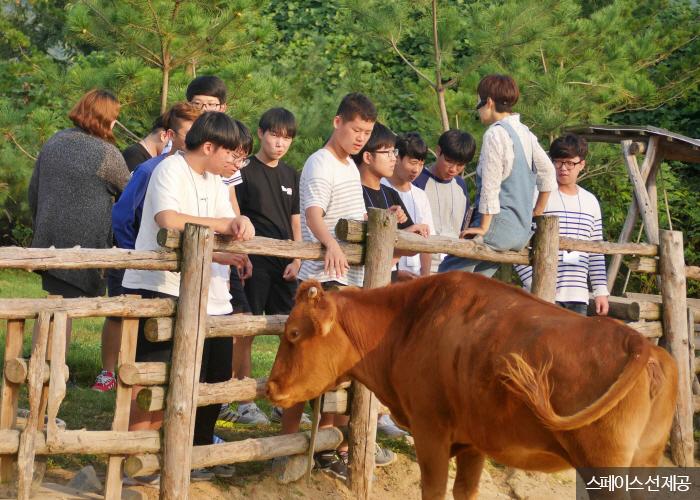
<point x="385" y="197"/>
<point x="269" y="196"/>
<point x="135" y="155"/>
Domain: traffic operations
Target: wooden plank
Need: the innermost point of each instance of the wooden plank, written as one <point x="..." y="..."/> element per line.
<point x="27" y="440"/>
<point x="86" y="442"/>
<point x="57" y="382"/>
<point x="657" y="299"/>
<point x="381" y="234"/>
<point x="17" y="369"/>
<point x="646" y="207"/>
<point x="545" y="257"/>
<point x="270" y="247"/>
<point x="188" y="343"/>
<point x="128" y="306"/>
<point x="9" y="396"/>
<point x="650" y="329"/>
<point x="608" y="248"/>
<point x="153" y="398"/>
<point x="692" y="272"/>
<point x="237" y="325"/>
<point x="642" y="265"/>
<point x="40" y="259"/>
<point x="248" y="450"/>
<point x="144" y="373"/>
<point x="127" y="353"/>
<point x="628" y="309"/>
<point x="652" y="157"/>
<point x="674" y="304"/>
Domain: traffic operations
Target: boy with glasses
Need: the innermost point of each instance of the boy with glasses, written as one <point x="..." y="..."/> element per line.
<point x="412" y="151"/>
<point x="207" y="93"/>
<point x="580" y="218"/>
<point x="443" y="184"/>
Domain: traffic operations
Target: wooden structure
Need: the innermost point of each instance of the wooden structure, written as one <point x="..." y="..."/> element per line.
<point x="175" y="386"/>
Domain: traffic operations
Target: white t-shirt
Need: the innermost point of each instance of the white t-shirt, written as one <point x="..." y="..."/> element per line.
<point x="418" y="206"/>
<point x="335" y="187"/>
<point x="175" y="186"/>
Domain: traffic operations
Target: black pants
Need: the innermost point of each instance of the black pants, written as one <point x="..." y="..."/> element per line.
<point x="266" y="290"/>
<point x="216" y="367"/>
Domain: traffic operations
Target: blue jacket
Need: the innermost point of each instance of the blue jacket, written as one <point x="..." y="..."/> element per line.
<point x="126" y="213"/>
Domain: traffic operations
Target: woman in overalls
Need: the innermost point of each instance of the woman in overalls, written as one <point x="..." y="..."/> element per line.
<point x="511" y="166"/>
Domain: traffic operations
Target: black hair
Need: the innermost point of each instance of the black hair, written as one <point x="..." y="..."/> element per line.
<point x="158" y="124"/>
<point x="457" y="146"/>
<point x="279" y="121"/>
<point x="221" y="130"/>
<point x="382" y="137"/>
<point x="568" y="146"/>
<point x="207" y="85"/>
<point x="357" y="104"/>
<point x="411" y="144"/>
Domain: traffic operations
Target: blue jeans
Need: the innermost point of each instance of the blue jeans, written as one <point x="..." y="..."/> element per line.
<point x="577" y="307"/>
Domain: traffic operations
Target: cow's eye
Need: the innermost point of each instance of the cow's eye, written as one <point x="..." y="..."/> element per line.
<point x="294" y="335"/>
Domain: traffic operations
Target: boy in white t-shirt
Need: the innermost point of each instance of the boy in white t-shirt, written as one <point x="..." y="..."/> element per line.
<point x="412" y="152"/>
<point x="187" y="188"/>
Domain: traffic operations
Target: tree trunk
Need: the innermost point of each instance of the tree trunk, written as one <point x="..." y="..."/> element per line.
<point x="439" y="87"/>
<point x="444" y="119"/>
<point x="164" y="88"/>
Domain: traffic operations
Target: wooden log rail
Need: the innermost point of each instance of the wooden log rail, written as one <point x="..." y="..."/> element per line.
<point x="152" y="397"/>
<point x="268" y="247"/>
<point x="650" y="265"/>
<point x="161" y="329"/>
<point x="40" y="259"/>
<point x="354" y="231"/>
<point x="85" y="442"/>
<point x="125" y="306"/>
<point x="241" y="451"/>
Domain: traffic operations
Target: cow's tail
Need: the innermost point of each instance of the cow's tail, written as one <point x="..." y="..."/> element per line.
<point x="534" y="387"/>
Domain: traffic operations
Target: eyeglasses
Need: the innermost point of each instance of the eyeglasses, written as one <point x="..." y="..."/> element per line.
<point x="481" y="103"/>
<point x="206" y="106"/>
<point x="388" y="152"/>
<point x="567" y="164"/>
<point x="241" y="161"/>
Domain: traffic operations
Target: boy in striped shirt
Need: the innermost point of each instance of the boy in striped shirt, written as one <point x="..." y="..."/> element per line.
<point x="579" y="217"/>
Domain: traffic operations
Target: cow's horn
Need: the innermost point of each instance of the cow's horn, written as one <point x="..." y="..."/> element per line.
<point x="313" y="292"/>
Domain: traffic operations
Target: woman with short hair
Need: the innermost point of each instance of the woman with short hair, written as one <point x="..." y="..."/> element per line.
<point x="77" y="175"/>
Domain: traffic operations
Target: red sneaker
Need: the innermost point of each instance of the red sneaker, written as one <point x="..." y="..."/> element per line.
<point x="104" y="382"/>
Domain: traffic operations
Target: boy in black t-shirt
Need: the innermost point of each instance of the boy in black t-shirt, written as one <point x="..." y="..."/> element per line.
<point x="375" y="161"/>
<point x="269" y="196"/>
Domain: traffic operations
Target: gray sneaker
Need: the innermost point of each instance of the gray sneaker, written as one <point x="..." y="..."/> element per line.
<point x="252" y="415"/>
<point x="387" y="427"/>
<point x="197" y="475"/>
<point x="276" y="416"/>
<point x="383" y="457"/>
<point x="223" y="471"/>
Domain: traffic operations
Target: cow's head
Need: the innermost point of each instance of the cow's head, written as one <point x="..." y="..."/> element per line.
<point x="314" y="351"/>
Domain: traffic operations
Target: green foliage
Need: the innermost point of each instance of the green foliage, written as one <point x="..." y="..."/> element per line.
<point x="603" y="61"/>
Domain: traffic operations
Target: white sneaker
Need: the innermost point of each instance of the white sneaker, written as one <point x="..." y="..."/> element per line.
<point x="252" y="415"/>
<point x="388" y="427"/>
<point x="276" y="416"/>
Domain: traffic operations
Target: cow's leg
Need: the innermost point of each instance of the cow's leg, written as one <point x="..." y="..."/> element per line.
<point x="470" y="463"/>
<point x="433" y="454"/>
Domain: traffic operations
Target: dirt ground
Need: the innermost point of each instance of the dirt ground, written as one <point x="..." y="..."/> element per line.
<point x="399" y="481"/>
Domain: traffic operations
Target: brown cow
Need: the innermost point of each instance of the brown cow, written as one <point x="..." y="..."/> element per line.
<point x="477" y="368"/>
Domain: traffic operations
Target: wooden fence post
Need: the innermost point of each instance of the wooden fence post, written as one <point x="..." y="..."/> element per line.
<point x="10" y="393"/>
<point x="381" y="232"/>
<point x="122" y="407"/>
<point x="675" y="321"/>
<point x="188" y="343"/>
<point x="545" y="257"/>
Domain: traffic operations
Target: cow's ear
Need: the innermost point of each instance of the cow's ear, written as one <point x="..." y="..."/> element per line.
<point x="323" y="315"/>
<point x="309" y="291"/>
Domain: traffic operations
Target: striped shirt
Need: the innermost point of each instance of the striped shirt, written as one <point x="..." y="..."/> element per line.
<point x="580" y="218"/>
<point x="334" y="187"/>
<point x="234" y="180"/>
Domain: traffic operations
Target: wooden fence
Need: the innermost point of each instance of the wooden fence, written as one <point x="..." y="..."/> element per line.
<point x="187" y="324"/>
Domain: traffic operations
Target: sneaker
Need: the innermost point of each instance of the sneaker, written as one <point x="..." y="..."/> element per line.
<point x="217" y="440"/>
<point x="387" y="427"/>
<point x="276" y="416"/>
<point x="149" y="480"/>
<point x="104" y="382"/>
<point x="383" y="456"/>
<point x="251" y="414"/>
<point x="226" y="415"/>
<point x="198" y="475"/>
<point x="333" y="462"/>
<point x="223" y="471"/>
